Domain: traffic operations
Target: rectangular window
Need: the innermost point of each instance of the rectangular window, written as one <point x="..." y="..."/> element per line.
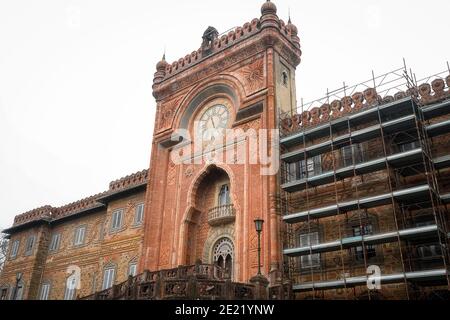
<point x="108" y="278"/>
<point x="313" y="260"/>
<point x="132" y="269"/>
<point x="370" y="249"/>
<point x="117" y="220"/>
<point x="54" y="243"/>
<point x="304" y="169"/>
<point x="428" y="251"/>
<point x="45" y="291"/>
<point x="352" y="155"/>
<point x="404" y="147"/>
<point x="69" y="293"/>
<point x="17" y="294"/>
<point x="139" y="214"/>
<point x="4" y="293"/>
<point x="15" y="249"/>
<point x="290" y="172"/>
<point x="30" y="245"/>
<point x="431" y="251"/>
<point x="313" y="167"/>
<point x="80" y="233"/>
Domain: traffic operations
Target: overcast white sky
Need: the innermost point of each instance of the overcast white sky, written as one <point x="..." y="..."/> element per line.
<point x="76" y="108"/>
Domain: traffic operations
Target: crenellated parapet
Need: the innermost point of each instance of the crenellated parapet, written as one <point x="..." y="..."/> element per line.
<point x="213" y="43"/>
<point x="43" y="213"/>
<point x="437" y="90"/>
<point x="129" y="181"/>
<point x="217" y="45"/>
<point x="316" y="114"/>
<point x="77" y="207"/>
<point x="50" y="214"/>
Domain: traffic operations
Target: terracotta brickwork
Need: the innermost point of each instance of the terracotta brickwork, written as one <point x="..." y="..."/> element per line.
<point x="199" y="211"/>
<point x="101" y="247"/>
<point x="395" y="257"/>
<point x="251" y="72"/>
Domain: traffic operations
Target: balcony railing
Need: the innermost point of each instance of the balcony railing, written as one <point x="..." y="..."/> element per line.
<point x="221" y="215"/>
<point x="196" y="282"/>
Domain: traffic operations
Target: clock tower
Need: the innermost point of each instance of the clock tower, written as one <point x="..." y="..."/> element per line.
<point x="205" y="190"/>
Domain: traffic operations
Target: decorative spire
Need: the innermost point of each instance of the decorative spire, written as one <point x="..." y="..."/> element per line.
<point x="291" y="27"/>
<point x="162" y="65"/>
<point x="268" y="8"/>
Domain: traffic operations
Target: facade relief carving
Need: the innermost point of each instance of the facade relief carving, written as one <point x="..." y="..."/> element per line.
<point x="168" y="112"/>
<point x="208" y="71"/>
<point x="171" y="174"/>
<point x="252" y="76"/>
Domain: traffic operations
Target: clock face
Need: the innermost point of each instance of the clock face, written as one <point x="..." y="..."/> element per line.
<point x="213" y="122"/>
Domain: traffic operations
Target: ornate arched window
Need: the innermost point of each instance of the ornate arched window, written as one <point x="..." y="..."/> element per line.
<point x="71" y="287"/>
<point x="224" y="255"/>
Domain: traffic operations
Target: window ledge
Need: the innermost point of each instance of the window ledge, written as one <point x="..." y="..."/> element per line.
<point x="116" y="231"/>
<point x="137" y="225"/>
<point x="79" y="246"/>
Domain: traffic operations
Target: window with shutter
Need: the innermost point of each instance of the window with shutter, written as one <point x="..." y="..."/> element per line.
<point x="30" y="245"/>
<point x="224" y="195"/>
<point x="19" y="291"/>
<point x="132" y="269"/>
<point x="45" y="291"/>
<point x="108" y="278"/>
<point x="4" y="293"/>
<point x="79" y="236"/>
<point x="117" y="219"/>
<point x="54" y="243"/>
<point x="15" y="249"/>
<point x="71" y="288"/>
<point x="139" y="214"/>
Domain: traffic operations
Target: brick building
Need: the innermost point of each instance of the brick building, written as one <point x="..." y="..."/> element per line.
<point x="99" y="235"/>
<point x="363" y="186"/>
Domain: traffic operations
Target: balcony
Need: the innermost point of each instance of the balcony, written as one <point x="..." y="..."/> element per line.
<point x="221" y="215"/>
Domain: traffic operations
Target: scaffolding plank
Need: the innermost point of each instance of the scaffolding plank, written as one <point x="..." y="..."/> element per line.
<point x="438" y="129"/>
<point x="356" y="136"/>
<point x="405" y="158"/>
<point x="442" y="162"/>
<point x="346" y="243"/>
<point x="415" y="193"/>
<point x="438" y="274"/>
<point x="399" y="124"/>
<point x="436" y="110"/>
<point x="445" y="198"/>
<point x="397" y="160"/>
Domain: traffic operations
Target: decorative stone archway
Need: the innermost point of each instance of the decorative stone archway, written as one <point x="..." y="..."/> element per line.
<point x="214" y="236"/>
<point x="196" y="227"/>
<point x="223" y="255"/>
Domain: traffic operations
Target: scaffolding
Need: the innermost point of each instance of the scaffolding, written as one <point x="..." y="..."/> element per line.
<point x="368" y="186"/>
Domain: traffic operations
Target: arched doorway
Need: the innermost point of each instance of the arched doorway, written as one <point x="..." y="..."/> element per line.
<point x="223" y="256"/>
<point x="211" y="217"/>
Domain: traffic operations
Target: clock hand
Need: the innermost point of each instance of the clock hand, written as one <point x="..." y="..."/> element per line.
<point x="212" y="120"/>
